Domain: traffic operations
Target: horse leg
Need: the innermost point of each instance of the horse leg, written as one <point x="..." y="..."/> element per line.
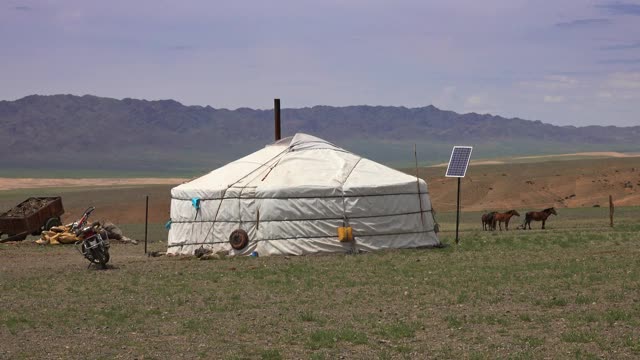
<point x="506" y="225"/>
<point x="500" y="225"/>
<point x="543" y="221"/>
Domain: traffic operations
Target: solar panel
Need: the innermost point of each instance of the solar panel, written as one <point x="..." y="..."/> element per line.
<point x="459" y="161"/>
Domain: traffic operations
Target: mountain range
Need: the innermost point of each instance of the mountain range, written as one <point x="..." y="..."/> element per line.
<point x="68" y="132"/>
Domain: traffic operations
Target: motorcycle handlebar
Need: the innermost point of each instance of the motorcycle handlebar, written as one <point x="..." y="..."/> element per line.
<point x="83" y="220"/>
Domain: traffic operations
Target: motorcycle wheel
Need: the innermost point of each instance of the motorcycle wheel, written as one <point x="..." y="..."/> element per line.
<point x="100" y="256"/>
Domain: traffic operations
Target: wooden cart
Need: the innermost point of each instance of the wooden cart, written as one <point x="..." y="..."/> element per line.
<point x="31" y="216"/>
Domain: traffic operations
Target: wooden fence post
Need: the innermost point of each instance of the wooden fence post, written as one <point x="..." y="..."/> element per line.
<point x="146" y="223"/>
<point x="611" y="209"/>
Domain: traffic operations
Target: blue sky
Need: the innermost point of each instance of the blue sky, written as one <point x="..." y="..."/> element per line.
<point x="562" y="62"/>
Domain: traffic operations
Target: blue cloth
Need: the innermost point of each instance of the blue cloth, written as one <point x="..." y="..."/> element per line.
<point x="168" y="225"/>
<point x="195" y="202"/>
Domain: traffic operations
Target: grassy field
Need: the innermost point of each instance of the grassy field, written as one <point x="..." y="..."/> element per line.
<point x="572" y="291"/>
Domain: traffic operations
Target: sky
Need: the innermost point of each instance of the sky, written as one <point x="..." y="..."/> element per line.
<point x="565" y="62"/>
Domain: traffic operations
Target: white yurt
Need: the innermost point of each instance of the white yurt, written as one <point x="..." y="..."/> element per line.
<point x="301" y="195"/>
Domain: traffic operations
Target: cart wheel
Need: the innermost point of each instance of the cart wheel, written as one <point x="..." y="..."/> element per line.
<point x="16" y="237"/>
<point x="51" y="222"/>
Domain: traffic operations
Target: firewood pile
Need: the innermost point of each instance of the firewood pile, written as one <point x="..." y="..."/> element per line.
<point x="27" y="208"/>
<point x="63" y="235"/>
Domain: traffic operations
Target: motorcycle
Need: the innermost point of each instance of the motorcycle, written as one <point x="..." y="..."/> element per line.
<point x="94" y="242"/>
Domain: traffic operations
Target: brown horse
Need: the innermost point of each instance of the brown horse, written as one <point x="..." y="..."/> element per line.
<point x="504" y="218"/>
<point x="538" y="216"/>
<point x="487" y="221"/>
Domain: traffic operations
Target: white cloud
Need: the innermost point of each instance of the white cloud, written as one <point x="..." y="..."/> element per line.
<point x="552" y="82"/>
<point x="446" y="98"/>
<point x="562" y="79"/>
<point x="620" y="86"/>
<point x="604" y="94"/>
<point x="553" y="99"/>
<point x="479" y="103"/>
<point x="474" y="100"/>
<point x="624" y="80"/>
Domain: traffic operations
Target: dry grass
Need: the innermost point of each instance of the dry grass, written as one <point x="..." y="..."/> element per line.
<point x="570" y="183"/>
<point x="569" y="292"/>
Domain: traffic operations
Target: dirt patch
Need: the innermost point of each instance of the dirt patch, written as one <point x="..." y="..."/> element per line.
<point x="123" y="204"/>
<point x="534" y="185"/>
<point x="556" y="157"/>
<point x="475" y="162"/>
<point x="612" y="154"/>
<point x="34" y="183"/>
<point x="538" y="185"/>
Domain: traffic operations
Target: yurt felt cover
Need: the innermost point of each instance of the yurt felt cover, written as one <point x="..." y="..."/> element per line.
<point x="292" y="196"/>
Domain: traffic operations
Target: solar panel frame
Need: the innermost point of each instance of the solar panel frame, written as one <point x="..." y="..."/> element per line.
<point x="460" y="161"/>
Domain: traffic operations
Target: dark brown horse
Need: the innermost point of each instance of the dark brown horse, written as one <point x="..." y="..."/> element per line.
<point x="504" y="218"/>
<point x="538" y="216"/>
<point x="487" y="221"/>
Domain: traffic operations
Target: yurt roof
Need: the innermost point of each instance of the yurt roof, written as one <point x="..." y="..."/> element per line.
<point x="312" y="166"/>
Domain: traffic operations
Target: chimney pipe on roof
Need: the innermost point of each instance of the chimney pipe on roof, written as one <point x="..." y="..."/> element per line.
<point x="276" y="110"/>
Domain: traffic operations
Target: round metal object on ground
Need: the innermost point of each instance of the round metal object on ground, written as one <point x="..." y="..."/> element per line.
<point x="51" y="222"/>
<point x="239" y="239"/>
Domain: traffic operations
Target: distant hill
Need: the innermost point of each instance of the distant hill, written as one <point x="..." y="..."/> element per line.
<point x="89" y="132"/>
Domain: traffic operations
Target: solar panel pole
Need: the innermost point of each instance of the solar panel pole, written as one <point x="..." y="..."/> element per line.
<point x="458" y="214"/>
<point x="457" y="167"/>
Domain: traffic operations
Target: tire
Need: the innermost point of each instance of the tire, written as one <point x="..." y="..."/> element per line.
<point x="101" y="256"/>
<point x="16" y="237"/>
<point x="98" y="255"/>
<point x="239" y="239"/>
<point x="51" y="222"/>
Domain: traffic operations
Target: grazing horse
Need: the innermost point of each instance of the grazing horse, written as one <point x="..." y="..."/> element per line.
<point x="538" y="216"/>
<point x="487" y="221"/>
<point x="504" y="218"/>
